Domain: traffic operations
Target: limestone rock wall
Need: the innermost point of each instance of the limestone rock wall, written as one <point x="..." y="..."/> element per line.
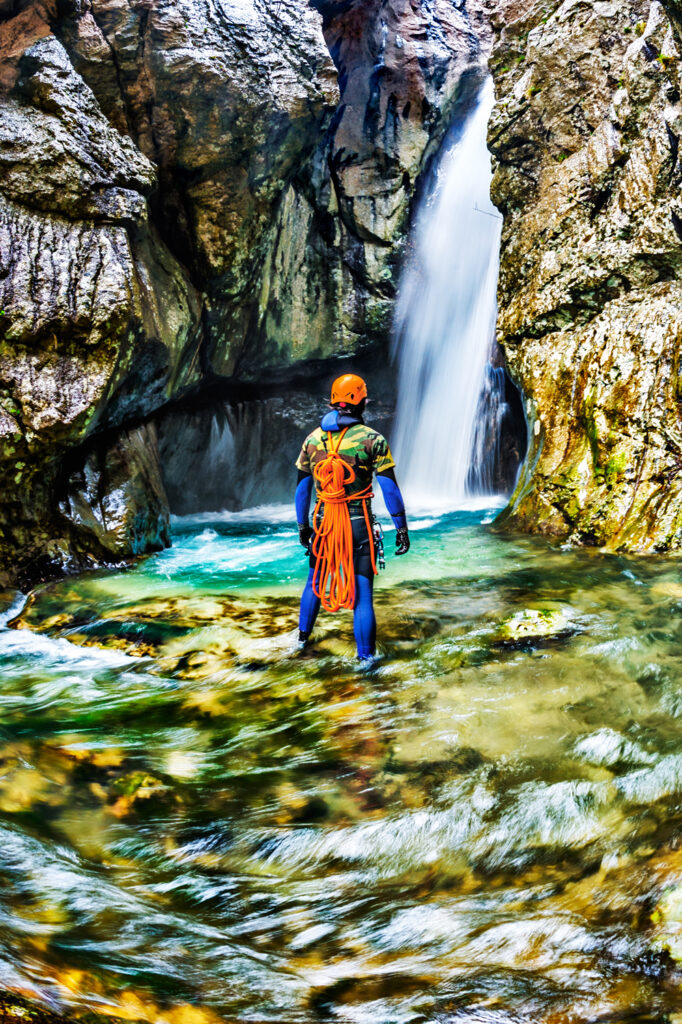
<point x="585" y="136"/>
<point x="97" y="316"/>
<point x="331" y="277"/>
<point x="228" y="101"/>
<point x="289" y="138"/>
<point x="192" y="191"/>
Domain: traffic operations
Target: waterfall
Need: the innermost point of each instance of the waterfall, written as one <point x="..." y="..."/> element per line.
<point x="450" y="399"/>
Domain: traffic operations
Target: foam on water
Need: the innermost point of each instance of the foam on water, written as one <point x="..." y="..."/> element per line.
<point x="282" y="512"/>
<point x="56" y="654"/>
<point x="12" y="611"/>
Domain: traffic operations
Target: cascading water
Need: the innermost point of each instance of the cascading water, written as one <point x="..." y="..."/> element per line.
<point x="450" y="400"/>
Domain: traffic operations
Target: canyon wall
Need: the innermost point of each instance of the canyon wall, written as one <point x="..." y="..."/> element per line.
<point x="192" y="192"/>
<point x="585" y="136"/>
<point x="197" y="195"/>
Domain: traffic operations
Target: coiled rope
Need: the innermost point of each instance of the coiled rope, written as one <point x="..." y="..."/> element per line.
<point x="332" y="547"/>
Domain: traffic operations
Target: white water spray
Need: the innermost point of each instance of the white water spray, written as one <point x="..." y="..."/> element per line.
<point x="445" y="325"/>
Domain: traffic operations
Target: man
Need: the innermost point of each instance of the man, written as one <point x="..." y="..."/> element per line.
<point x="339" y="459"/>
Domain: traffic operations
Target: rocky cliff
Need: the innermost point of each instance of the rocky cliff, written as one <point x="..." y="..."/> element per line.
<point x="192" y="191"/>
<point x="585" y="137"/>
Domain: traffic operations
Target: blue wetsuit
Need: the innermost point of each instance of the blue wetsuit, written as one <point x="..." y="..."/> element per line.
<point x="364" y="621"/>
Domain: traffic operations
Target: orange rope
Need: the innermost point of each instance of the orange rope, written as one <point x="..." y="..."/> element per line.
<point x="332" y="547"/>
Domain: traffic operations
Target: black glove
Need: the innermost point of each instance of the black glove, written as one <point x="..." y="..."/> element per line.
<point x="305" y="533"/>
<point x="402" y="541"/>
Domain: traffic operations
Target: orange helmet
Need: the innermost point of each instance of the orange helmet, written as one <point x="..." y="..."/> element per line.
<point x="349" y="388"/>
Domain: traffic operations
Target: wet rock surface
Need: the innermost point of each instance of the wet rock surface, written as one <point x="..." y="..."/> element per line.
<point x="99" y="321"/>
<point x="194" y="191"/>
<point x="118" y="499"/>
<point x="585" y="139"/>
<point x="229" y="102"/>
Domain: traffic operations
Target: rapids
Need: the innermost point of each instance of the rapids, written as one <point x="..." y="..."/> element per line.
<point x="198" y="824"/>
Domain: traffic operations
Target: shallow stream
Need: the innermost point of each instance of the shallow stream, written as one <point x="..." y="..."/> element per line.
<point x="198" y="824"/>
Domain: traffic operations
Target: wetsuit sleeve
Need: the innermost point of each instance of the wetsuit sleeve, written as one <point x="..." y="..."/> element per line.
<point x="394" y="500"/>
<point x="304" y="490"/>
<point x="381" y="455"/>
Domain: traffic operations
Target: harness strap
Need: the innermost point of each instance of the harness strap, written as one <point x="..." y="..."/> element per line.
<point x="332" y="547"/>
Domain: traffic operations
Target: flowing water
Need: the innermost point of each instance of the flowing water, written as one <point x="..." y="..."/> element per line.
<point x="201" y="824"/>
<point x="445" y="326"/>
<point x="198" y="824"/>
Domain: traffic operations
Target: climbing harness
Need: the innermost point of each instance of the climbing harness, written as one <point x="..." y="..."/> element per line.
<point x="332" y="545"/>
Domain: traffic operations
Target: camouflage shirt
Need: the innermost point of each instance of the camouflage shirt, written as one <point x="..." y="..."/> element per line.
<point x="363" y="448"/>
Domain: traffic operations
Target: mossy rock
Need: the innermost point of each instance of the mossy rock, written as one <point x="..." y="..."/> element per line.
<point x="667" y="920"/>
<point x="139" y="793"/>
<point x="534" y="624"/>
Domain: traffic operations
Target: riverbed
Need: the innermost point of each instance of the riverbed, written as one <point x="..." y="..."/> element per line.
<point x="199" y="823"/>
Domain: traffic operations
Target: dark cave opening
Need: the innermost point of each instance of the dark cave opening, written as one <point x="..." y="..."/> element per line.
<point x="238" y="450"/>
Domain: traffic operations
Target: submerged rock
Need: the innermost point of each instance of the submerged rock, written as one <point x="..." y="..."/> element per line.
<point x="667" y="921"/>
<point x="532" y="624"/>
<point x="139" y="793"/>
<point x="14" y="1008"/>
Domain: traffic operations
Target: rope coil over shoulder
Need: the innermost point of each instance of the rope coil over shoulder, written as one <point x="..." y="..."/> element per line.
<point x="332" y="547"/>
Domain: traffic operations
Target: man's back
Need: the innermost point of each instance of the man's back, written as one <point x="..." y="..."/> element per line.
<point x="364" y="449"/>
